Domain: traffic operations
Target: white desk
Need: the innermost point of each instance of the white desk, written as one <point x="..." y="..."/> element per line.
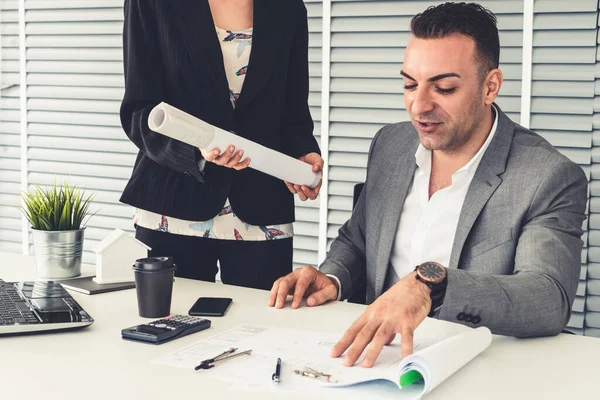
<point x="95" y="363"/>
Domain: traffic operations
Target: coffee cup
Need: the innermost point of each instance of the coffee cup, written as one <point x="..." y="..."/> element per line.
<point x="154" y="285"/>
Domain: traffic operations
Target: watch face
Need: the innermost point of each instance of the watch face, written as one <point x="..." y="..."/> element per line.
<point x="432" y="272"/>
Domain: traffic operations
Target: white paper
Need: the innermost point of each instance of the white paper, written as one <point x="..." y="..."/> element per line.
<point x="435" y="357"/>
<point x="297" y="349"/>
<point x="177" y="124"/>
<point x="191" y="356"/>
<point x="440" y="360"/>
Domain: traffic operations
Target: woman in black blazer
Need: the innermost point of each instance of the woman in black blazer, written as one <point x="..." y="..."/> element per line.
<point x="241" y="65"/>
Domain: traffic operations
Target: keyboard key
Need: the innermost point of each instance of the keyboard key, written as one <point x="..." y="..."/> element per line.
<point x="22" y="306"/>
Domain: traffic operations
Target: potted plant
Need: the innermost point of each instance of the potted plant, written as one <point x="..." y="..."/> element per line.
<point x="57" y="216"/>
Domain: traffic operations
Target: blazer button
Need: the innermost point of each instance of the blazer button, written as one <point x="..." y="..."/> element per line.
<point x="476" y="319"/>
<point x="187" y="173"/>
<point x="460" y="316"/>
<point x="468" y="318"/>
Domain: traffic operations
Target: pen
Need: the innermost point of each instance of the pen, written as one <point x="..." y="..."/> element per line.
<point x="277" y="375"/>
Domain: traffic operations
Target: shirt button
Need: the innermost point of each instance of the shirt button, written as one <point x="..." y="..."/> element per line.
<point x="460" y="316"/>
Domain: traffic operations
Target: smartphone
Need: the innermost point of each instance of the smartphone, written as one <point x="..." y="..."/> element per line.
<point x="210" y="306"/>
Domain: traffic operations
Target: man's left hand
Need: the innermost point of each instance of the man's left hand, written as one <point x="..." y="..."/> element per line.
<point x="399" y="310"/>
<point x="303" y="191"/>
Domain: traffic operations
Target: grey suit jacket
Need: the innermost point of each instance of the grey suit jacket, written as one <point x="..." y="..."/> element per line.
<point x="516" y="256"/>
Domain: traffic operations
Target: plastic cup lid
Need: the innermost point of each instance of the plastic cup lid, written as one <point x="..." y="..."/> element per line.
<point x="153" y="263"/>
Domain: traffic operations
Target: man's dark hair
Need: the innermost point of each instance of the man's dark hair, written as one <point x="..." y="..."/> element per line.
<point x="469" y="19"/>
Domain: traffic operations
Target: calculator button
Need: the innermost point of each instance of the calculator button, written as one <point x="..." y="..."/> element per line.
<point x="160" y="325"/>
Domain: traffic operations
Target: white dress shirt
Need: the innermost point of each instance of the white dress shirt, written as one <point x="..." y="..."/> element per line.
<point x="428" y="225"/>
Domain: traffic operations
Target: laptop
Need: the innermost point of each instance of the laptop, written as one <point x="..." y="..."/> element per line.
<point x="29" y="307"/>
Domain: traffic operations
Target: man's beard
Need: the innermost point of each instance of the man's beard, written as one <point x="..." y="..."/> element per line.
<point x="456" y="136"/>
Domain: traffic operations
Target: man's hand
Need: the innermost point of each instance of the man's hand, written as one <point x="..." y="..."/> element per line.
<point x="399" y="310"/>
<point x="302" y="282"/>
<point x="227" y="159"/>
<point x="303" y="191"/>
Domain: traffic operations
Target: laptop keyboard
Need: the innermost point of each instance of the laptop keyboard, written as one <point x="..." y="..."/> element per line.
<point x="13" y="310"/>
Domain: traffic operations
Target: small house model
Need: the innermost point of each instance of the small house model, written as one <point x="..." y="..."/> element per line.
<point x="115" y="256"/>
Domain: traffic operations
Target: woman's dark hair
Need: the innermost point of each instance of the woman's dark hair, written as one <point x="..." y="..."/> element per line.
<point x="469" y="19"/>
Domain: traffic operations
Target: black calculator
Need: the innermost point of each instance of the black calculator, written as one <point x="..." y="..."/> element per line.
<point x="166" y="329"/>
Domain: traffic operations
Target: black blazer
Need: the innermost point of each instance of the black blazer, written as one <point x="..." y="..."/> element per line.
<point x="172" y="54"/>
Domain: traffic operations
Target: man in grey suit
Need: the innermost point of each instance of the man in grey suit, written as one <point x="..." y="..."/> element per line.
<point x="488" y="211"/>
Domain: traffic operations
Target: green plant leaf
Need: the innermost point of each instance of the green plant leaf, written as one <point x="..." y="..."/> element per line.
<point x="56" y="208"/>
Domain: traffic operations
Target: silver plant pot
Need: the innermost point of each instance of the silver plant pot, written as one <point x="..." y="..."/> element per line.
<point x="58" y="253"/>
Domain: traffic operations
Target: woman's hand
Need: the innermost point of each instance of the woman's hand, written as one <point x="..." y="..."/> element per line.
<point x="303" y="191"/>
<point x="230" y="158"/>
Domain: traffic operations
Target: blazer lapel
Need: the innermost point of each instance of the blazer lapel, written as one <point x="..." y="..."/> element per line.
<point x="271" y="22"/>
<point x="484" y="183"/>
<point x="199" y="38"/>
<point x="394" y="196"/>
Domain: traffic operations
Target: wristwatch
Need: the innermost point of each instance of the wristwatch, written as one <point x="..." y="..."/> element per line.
<point x="435" y="277"/>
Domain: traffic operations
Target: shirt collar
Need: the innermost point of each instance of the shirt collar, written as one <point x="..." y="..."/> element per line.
<point x="423" y="155"/>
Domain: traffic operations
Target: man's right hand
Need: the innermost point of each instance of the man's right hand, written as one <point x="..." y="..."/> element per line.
<point x="303" y="282"/>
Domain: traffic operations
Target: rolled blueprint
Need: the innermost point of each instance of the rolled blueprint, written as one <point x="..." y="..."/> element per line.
<point x="177" y="124"/>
